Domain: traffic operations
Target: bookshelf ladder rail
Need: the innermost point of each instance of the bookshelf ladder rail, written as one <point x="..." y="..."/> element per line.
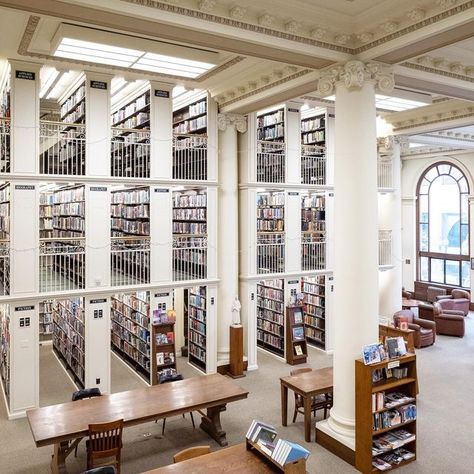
<point x="270" y="253"/>
<point x="62" y="148"/>
<point x="130" y="153"/>
<point x="189" y="258"/>
<point x="190" y="157"/>
<point x="130" y="261"/>
<point x="313" y="165"/>
<point x="270" y="162"/>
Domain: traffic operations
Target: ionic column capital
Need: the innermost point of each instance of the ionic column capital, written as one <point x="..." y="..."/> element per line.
<point x="390" y="142"/>
<point x="354" y="74"/>
<point x="237" y="120"/>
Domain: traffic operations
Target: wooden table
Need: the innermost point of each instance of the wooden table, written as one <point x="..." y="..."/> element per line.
<point x="236" y="459"/>
<point x="410" y="303"/>
<point x="308" y="385"/>
<point x="60" y="424"/>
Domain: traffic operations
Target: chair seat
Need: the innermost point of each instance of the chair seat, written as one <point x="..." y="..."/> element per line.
<point x="425" y="331"/>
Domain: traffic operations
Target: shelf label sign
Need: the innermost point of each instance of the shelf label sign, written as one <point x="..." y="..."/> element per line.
<point x="161" y="295"/>
<point x="293" y="193"/>
<point x="25" y="187"/>
<point x="393" y="364"/>
<point x="99" y="85"/>
<point x="24" y="308"/>
<point x="98" y="188"/>
<point x="161" y="190"/>
<point x="26" y="75"/>
<point x="162" y="93"/>
<point x="293" y="110"/>
<point x="99" y="300"/>
<point x="293" y="282"/>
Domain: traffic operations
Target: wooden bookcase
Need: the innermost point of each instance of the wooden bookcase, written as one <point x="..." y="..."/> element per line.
<point x="168" y="349"/>
<point x="364" y="390"/>
<point x="295" y="323"/>
<point x="314" y="291"/>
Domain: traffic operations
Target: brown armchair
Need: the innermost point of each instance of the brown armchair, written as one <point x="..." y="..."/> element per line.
<point x="433" y="292"/>
<point x="425" y="311"/>
<point x="458" y="300"/>
<point x="425" y="331"/>
<point x="407" y="294"/>
<point x="448" y="322"/>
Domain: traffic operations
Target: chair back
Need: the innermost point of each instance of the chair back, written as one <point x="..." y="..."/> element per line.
<point x="437" y="309"/>
<point x="301" y="370"/>
<point x="457" y="294"/>
<point x="191" y="453"/>
<point x="105" y="439"/>
<point x="407" y="313"/>
<point x="86" y="393"/>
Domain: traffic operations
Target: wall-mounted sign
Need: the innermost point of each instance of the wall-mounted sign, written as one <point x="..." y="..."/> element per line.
<point x="98" y="188"/>
<point x="29" y="187"/>
<point x="293" y="282"/>
<point x="161" y="295"/>
<point x="24" y="308"/>
<point x="99" y="300"/>
<point x="293" y="193"/>
<point x="161" y="190"/>
<point x="27" y="75"/>
<point x="99" y="85"/>
<point x="293" y="110"/>
<point x="162" y="93"/>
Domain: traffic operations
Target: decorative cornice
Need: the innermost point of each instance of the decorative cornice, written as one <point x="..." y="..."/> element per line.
<point x="218" y="69"/>
<point x="442" y="67"/>
<point x="354" y="74"/>
<point x="237" y="120"/>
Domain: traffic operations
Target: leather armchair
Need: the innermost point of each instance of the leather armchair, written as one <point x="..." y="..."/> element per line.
<point x="448" y="322"/>
<point x="407" y="294"/>
<point x="433" y="292"/>
<point x="425" y="311"/>
<point x="425" y="331"/>
<point x="458" y="300"/>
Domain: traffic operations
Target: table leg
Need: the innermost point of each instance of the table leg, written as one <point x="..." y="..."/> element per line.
<point x="307" y="418"/>
<point x="211" y="424"/>
<point x="58" y="459"/>
<point x="284" y="405"/>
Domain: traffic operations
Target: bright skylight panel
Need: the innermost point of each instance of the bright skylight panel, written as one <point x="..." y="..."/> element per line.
<point x="181" y="61"/>
<point x="101" y="47"/>
<point x="96" y="54"/>
<point x="89" y="58"/>
<point x="171" y="66"/>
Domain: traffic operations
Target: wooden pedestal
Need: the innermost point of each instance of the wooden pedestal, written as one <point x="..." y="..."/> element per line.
<point x="236" y="356"/>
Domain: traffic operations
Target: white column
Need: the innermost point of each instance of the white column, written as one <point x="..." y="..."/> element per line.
<point x="248" y="295"/>
<point x="390" y="218"/>
<point x="293" y="143"/>
<point x="293" y="232"/>
<point x="355" y="231"/>
<point x="409" y="242"/>
<point x="471" y="243"/>
<point x="212" y="301"/>
<point x="228" y="226"/>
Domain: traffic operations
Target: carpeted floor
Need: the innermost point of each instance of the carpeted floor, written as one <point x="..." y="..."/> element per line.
<point x="445" y="426"/>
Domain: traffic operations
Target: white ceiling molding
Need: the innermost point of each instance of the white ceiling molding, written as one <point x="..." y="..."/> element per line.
<point x="442" y="66"/>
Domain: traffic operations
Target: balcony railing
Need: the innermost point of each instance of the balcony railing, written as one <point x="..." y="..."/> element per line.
<point x="384" y="174"/>
<point x="4" y="145"/>
<point x="313" y="252"/>
<point x="190" y="157"/>
<point x="313" y="165"/>
<point x="130" y="153"/>
<point x="62" y="148"/>
<point x="4" y="268"/>
<point x="385" y="248"/>
<point x="130" y="260"/>
<point x="62" y="264"/>
<point x="271" y="253"/>
<point x="270" y="162"/>
<point x="189" y="257"/>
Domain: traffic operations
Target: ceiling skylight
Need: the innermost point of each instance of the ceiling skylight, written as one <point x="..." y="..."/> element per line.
<point x="130" y="58"/>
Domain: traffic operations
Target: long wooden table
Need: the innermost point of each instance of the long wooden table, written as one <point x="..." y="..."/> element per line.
<point x="60" y="424"/>
<point x="308" y="385"/>
<point x="236" y="459"/>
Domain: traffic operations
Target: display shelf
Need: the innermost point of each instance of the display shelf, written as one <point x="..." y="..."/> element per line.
<point x="69" y="334"/>
<point x="378" y="425"/>
<point x="270" y="316"/>
<point x="163" y="354"/>
<point x="295" y="339"/>
<point x="197" y="327"/>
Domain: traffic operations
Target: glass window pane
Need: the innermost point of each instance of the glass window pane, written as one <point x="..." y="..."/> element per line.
<point x="432" y="174"/>
<point x="444" y="216"/>
<point x="424" y="238"/>
<point x="452" y="272"/>
<point x="464" y="209"/>
<point x="463" y="185"/>
<point x="455" y="173"/>
<point x="424" y="187"/>
<point x="444" y="169"/>
<point x="423" y="208"/>
<point x="466" y="274"/>
<point x="424" y="269"/>
<point x="437" y="270"/>
<point x="464" y="239"/>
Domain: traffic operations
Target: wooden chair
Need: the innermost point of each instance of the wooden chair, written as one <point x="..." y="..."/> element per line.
<point x="191" y="453"/>
<point x="320" y="402"/>
<point x="105" y="443"/>
<point x="83" y="395"/>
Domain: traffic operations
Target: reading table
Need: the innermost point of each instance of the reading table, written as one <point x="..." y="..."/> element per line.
<point x="60" y="425"/>
<point x="307" y="385"/>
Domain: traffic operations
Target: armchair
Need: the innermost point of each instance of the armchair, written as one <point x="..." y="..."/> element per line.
<point x="407" y="294"/>
<point x="425" y="331"/>
<point x="433" y="292"/>
<point x="425" y="311"/>
<point x="448" y="322"/>
<point x="458" y="300"/>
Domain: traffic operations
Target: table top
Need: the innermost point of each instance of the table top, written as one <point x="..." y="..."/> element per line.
<point x="236" y="459"/>
<point x="310" y="383"/>
<point x="411" y="302"/>
<point x="56" y="423"/>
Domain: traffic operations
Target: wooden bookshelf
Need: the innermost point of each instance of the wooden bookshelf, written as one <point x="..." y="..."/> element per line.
<point x="271" y="316"/>
<point x="130" y="330"/>
<point x="69" y="336"/>
<point x="197" y="327"/>
<point x="295" y="336"/>
<point x="314" y="310"/>
<point x="365" y="390"/>
<point x="46" y="320"/>
<point x="163" y="351"/>
<point x="5" y="350"/>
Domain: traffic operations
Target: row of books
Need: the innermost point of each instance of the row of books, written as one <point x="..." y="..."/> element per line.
<point x="72" y="100"/>
<point x="197" y="352"/>
<point x="190" y="214"/>
<point x="4" y="223"/>
<point x="314" y="322"/>
<point x="315" y="288"/>
<point x="68" y="223"/>
<point x="308" y="125"/>
<point x="65" y="196"/>
<point x="270" y="225"/>
<point x="314" y="137"/>
<point x="313" y="201"/>
<point x="192" y="125"/>
<point x="270" y="199"/>
<point x="276" y="341"/>
<point x="196" y="313"/>
<point x="270" y="213"/>
<point x="316" y="334"/>
<point x="77" y="116"/>
<point x="271" y="293"/>
<point x="141" y="359"/>
<point x="136" y="120"/>
<point x="271" y="118"/>
<point x="164" y="338"/>
<point x="314" y="300"/>
<point x="394" y="417"/>
<point x="5" y="102"/>
<point x="189" y="228"/>
<point x="274" y="317"/>
<point x="5" y="194"/>
<point x="391" y="440"/>
<point x="393" y="347"/>
<point x="46" y="210"/>
<point x="131" y="227"/>
<point x="121" y="303"/>
<point x="69" y="209"/>
<point x="132" y="339"/>
<point x="131" y="196"/>
<point x="131" y="212"/>
<point x="278" y="131"/>
<point x="276" y="329"/>
<point x="387" y="461"/>
<point x="381" y="400"/>
<point x="197" y="338"/>
<point x="139" y="103"/>
<point x="198" y="326"/>
<point x="131" y="326"/>
<point x="189" y="200"/>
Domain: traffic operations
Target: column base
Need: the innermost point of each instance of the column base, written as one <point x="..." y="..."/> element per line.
<point x="342" y="446"/>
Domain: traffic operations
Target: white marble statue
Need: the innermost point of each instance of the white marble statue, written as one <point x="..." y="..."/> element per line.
<point x="236" y="307"/>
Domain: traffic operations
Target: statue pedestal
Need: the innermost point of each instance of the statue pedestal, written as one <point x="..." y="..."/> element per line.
<point x="236" y="355"/>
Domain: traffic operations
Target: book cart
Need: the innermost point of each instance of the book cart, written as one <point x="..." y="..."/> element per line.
<point x="366" y="391"/>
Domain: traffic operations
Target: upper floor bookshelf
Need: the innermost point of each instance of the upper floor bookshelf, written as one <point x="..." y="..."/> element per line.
<point x="5" y="115"/>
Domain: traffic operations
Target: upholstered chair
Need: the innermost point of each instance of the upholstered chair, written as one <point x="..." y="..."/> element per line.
<point x="448" y="322"/>
<point x="458" y="300"/>
<point x="425" y="331"/>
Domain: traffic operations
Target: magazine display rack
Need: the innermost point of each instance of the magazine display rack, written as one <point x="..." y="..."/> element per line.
<point x="296" y="348"/>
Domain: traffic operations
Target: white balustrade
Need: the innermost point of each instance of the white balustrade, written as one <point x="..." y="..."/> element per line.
<point x="384" y="174"/>
<point x="130" y="153"/>
<point x="4" y="145"/>
<point x="385" y="248"/>
<point x="271" y="253"/>
<point x="130" y="260"/>
<point x="270" y="162"/>
<point x="189" y="257"/>
<point x="189" y="157"/>
<point x="313" y="252"/>
<point x="313" y="165"/>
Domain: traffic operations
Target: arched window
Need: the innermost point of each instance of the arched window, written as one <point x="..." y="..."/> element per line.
<point x="443" y="226"/>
